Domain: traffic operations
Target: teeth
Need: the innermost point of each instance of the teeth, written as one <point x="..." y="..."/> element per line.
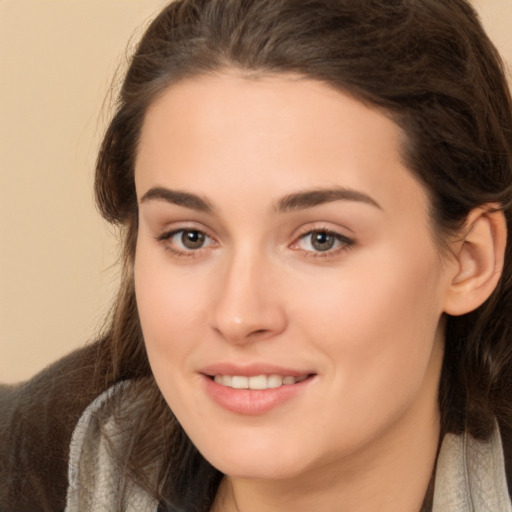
<point x="257" y="382"/>
<point x="240" y="382"/>
<point x="274" y="381"/>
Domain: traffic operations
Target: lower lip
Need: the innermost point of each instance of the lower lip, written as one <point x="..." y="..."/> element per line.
<point x="252" y="402"/>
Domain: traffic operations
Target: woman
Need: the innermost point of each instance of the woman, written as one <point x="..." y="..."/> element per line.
<point x="315" y="305"/>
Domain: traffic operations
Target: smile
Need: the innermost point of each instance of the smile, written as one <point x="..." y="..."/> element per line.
<point x="257" y="393"/>
<point x="257" y="381"/>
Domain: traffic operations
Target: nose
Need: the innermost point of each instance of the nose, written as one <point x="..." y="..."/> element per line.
<point x="248" y="305"/>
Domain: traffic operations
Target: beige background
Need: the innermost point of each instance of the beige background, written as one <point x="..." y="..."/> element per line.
<point x="57" y="258"/>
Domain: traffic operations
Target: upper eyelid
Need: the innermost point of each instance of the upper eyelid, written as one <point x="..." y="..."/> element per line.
<point x="176" y="227"/>
<point x="323" y="230"/>
<point x="319" y="226"/>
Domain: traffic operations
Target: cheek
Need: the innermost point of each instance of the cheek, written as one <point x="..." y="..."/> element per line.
<point x="169" y="309"/>
<point x="378" y="328"/>
<point x="169" y="306"/>
<point x="380" y="295"/>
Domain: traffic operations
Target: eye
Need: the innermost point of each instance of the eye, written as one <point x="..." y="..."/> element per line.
<point x="191" y="239"/>
<point x="185" y="241"/>
<point x="323" y="241"/>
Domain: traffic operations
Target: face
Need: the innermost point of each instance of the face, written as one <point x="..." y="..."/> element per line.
<point x="288" y="285"/>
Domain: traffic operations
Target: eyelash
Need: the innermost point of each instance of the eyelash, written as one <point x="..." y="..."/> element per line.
<point x="343" y="243"/>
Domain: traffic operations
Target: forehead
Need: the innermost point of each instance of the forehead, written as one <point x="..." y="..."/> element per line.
<point x="282" y="131"/>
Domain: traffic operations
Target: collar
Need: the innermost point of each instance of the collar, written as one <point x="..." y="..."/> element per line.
<point x="94" y="482"/>
<point x="470" y="475"/>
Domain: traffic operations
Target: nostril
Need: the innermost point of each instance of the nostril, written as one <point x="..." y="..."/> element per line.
<point x="259" y="332"/>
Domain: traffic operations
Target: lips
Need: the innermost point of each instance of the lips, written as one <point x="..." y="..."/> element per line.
<point x="254" y="389"/>
<point x="252" y="370"/>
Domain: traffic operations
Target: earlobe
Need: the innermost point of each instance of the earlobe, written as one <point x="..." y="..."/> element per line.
<point x="479" y="260"/>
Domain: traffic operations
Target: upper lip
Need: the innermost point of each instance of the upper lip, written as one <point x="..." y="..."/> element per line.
<point x="251" y="370"/>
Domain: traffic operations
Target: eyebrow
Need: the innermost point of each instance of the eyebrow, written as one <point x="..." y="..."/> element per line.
<point x="291" y="202"/>
<point x="185" y="199"/>
<point x="312" y="198"/>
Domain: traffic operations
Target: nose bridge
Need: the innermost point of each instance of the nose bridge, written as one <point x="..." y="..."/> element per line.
<point x="247" y="305"/>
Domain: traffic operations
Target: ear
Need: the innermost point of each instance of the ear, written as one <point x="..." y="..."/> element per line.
<point x="479" y="257"/>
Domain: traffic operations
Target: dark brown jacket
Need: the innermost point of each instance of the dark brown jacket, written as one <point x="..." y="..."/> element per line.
<point x="37" y="419"/>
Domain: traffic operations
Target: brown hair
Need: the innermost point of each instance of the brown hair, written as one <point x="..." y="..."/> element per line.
<point x="429" y="64"/>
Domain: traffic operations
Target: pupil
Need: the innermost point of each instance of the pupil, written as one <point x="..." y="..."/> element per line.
<point x="192" y="239"/>
<point x="323" y="241"/>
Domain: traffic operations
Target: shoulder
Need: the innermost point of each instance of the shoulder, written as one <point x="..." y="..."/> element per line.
<point x="101" y="437"/>
<point x="37" y="419"/>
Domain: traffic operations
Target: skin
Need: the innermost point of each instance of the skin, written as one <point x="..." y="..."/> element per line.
<point x="365" y="317"/>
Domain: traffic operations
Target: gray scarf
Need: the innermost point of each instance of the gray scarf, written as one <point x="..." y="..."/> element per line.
<point x="470" y="474"/>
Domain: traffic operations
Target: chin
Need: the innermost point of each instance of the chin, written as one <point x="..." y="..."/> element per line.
<point x="261" y="460"/>
<point x="257" y="469"/>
